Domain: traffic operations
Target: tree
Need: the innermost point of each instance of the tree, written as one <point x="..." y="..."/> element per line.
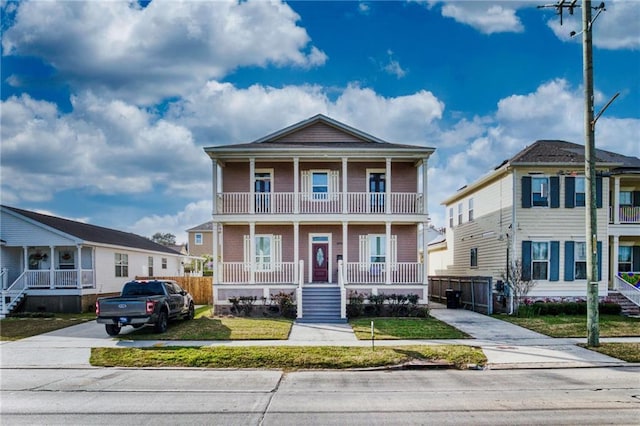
<point x="519" y="287"/>
<point x="164" y="239"/>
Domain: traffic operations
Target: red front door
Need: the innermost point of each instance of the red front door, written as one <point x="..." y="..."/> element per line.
<point x="320" y="262"/>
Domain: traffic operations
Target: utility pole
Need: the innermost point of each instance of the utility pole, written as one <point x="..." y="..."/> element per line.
<point x="591" y="218"/>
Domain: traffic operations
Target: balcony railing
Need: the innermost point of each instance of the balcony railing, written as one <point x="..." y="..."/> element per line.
<point x="319" y="203"/>
<point x="626" y="214"/>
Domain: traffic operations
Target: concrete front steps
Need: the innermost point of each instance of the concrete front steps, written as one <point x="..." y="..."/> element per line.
<point x="628" y="307"/>
<point x="321" y="304"/>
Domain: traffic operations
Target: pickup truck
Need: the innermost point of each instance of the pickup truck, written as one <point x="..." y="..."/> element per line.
<point x="144" y="303"/>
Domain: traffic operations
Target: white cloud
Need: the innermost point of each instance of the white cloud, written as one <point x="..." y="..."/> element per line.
<point x="192" y="215"/>
<point x="486" y="17"/>
<point x="143" y="55"/>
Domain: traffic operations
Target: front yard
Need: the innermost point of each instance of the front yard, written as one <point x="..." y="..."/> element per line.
<point x="16" y="328"/>
<point x="576" y="325"/>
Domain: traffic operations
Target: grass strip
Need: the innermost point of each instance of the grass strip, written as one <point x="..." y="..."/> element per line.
<point x="206" y="328"/>
<point x="285" y="357"/>
<point x="576" y="325"/>
<point x="629" y="352"/>
<point x="16" y="328"/>
<point x="405" y="328"/>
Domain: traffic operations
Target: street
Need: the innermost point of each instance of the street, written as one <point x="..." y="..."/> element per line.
<point x="250" y="397"/>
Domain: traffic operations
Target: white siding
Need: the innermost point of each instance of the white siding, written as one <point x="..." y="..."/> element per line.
<point x="19" y="232"/>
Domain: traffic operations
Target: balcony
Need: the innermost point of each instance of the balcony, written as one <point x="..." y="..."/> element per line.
<point x="626" y="214"/>
<point x="319" y="203"/>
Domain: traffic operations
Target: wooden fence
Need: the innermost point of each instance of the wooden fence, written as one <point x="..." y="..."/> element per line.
<point x="199" y="287"/>
<point x="476" y="292"/>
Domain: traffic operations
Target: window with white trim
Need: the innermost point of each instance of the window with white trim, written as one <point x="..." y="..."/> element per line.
<point x="450" y="217"/>
<point x="473" y="261"/>
<point x="320" y="185"/>
<point x="580" y="260"/>
<point x="540" y="191"/>
<point x="164" y="263"/>
<point x="625" y="258"/>
<point x="470" y="209"/>
<point x="268" y="252"/>
<point x="197" y="239"/>
<point x="459" y="213"/>
<point x="373" y="251"/>
<point x="122" y="264"/>
<point x="540" y="260"/>
<point x="579" y="195"/>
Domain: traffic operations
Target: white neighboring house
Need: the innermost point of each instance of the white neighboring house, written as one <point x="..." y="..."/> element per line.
<point x="59" y="265"/>
<point x="532" y="208"/>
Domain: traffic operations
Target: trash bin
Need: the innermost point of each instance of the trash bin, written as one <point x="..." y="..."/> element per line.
<point x="453" y="298"/>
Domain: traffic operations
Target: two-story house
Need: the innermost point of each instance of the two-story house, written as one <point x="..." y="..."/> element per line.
<point x="531" y="208"/>
<point x="318" y="209"/>
<point x="200" y="240"/>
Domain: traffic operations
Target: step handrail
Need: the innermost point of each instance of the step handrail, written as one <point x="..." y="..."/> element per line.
<point x="627" y="290"/>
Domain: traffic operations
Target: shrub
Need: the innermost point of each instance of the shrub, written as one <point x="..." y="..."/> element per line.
<point x="377" y="300"/>
<point x="242" y="305"/>
<point x="286" y="304"/>
<point x="540" y="308"/>
<point x="355" y="305"/>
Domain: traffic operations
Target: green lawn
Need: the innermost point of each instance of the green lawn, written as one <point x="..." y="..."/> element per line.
<point x="15" y="328"/>
<point x="206" y="328"/>
<point x="285" y="357"/>
<point x="576" y="325"/>
<point x="405" y="328"/>
<point x="629" y="352"/>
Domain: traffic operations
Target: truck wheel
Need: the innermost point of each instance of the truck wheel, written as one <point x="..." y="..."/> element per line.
<point x="191" y="313"/>
<point x="112" y="329"/>
<point x="163" y="322"/>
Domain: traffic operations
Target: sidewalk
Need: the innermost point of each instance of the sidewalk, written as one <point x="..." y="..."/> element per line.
<point x="506" y="345"/>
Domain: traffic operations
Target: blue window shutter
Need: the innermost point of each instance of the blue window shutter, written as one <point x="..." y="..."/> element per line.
<point x="599" y="245"/>
<point x="636" y="199"/>
<point x="554" y="274"/>
<point x="526" y="192"/>
<point x="569" y="260"/>
<point x="554" y="192"/>
<point x="599" y="192"/>
<point x="569" y="192"/>
<point x="526" y="260"/>
<point x="635" y="259"/>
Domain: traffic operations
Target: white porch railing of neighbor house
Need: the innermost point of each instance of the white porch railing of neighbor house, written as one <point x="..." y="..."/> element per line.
<point x="375" y="273"/>
<point x="319" y="203"/>
<point x="246" y="273"/>
<point x="627" y="290"/>
<point x="60" y="279"/>
<point x="626" y="214"/>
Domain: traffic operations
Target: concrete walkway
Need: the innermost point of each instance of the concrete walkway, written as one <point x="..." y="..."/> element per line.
<point x="506" y="345"/>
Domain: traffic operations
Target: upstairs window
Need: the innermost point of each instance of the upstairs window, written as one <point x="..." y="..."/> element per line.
<point x="470" y="209"/>
<point x="474" y="257"/>
<point x="459" y="213"/>
<point x="540" y="191"/>
<point x="450" y="217"/>
<point x="198" y="239"/>
<point x="580" y="196"/>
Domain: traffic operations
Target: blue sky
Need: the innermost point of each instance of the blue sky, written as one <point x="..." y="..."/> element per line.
<point x="106" y="106"/>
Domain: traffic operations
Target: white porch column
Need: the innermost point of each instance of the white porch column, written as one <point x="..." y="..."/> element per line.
<point x="252" y="184"/>
<point x="252" y="252"/>
<point x="425" y="205"/>
<point x="387" y="251"/>
<point x="296" y="188"/>
<point x="614" y="258"/>
<point x="425" y="255"/>
<point x="296" y="250"/>
<point x="345" y="200"/>
<point x="345" y="250"/>
<point x="616" y="201"/>
<point x="387" y="187"/>
<point x="215" y="275"/>
<point x="52" y="272"/>
<point x="79" y="267"/>
<point x="215" y="186"/>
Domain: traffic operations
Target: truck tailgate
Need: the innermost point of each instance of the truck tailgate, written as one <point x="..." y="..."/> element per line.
<point x="123" y="307"/>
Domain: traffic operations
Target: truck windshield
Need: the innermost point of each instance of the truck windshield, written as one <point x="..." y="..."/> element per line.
<point x="143" y="289"/>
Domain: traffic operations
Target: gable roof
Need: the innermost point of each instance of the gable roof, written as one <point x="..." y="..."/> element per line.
<point x="93" y="233"/>
<point x="556" y="151"/>
<point x="552" y="153"/>
<point x="318" y="134"/>
<point x="207" y="226"/>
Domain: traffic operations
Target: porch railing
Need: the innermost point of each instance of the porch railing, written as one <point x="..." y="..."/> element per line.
<point x="626" y="214"/>
<point x="247" y="273"/>
<point x="41" y="279"/>
<point x="376" y="273"/>
<point x="319" y="203"/>
<point x="627" y="290"/>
